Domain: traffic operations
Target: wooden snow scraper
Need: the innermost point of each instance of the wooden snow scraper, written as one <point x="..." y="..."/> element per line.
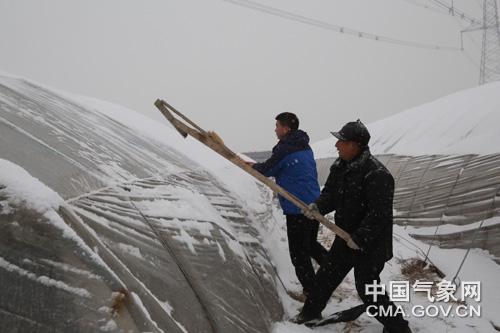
<point x="187" y="127"/>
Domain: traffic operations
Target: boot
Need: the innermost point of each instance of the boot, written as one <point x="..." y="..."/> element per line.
<point x="308" y="320"/>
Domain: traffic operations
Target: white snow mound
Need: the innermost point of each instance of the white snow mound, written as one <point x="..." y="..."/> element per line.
<point x="466" y="122"/>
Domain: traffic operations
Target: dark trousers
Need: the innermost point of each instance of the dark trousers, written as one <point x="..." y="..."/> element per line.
<point x="367" y="268"/>
<point x="303" y="245"/>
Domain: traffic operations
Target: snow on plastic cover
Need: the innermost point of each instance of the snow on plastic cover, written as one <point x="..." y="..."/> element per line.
<point x="135" y="236"/>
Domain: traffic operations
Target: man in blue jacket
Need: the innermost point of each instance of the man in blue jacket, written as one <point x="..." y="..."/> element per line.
<point x="293" y="166"/>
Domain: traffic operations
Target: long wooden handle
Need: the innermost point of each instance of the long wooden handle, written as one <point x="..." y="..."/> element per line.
<point x="214" y="142"/>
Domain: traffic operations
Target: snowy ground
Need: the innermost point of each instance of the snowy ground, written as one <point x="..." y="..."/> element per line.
<point x="404" y="248"/>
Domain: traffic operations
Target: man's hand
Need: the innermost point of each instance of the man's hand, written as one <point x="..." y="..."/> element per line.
<point x="353" y="245"/>
<point x="309" y="212"/>
<point x="249" y="163"/>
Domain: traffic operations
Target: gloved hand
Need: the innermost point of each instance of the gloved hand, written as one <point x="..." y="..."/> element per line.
<point x="311" y="209"/>
<point x="353" y="245"/>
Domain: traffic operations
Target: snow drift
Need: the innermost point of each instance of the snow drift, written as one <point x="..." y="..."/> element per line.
<point x="466" y="122"/>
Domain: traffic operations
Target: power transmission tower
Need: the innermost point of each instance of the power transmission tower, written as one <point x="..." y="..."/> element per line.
<point x="490" y="52"/>
<point x="489" y="70"/>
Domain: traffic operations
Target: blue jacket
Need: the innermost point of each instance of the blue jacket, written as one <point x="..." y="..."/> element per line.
<point x="293" y="166"/>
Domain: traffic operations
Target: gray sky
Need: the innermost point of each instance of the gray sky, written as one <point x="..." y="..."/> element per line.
<point x="232" y="69"/>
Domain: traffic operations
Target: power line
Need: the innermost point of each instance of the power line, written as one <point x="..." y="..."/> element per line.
<point x="454" y="11"/>
<point x="443" y="8"/>
<point x="463" y="29"/>
<point x="337" y="28"/>
<point x="422" y="5"/>
<point x="471" y="39"/>
<point x="472" y="61"/>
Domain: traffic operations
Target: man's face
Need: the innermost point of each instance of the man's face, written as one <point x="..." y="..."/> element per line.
<point x="281" y="131"/>
<point x="347" y="149"/>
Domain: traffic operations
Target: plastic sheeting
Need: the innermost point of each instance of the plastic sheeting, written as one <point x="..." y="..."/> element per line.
<point x="198" y="270"/>
<point x="434" y="190"/>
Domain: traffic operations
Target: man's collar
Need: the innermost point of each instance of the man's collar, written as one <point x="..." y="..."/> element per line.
<point x="359" y="160"/>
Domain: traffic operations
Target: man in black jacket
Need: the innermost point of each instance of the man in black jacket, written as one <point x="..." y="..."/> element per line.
<point x="360" y="190"/>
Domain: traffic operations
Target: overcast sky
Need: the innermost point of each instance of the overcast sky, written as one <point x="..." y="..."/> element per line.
<point x="232" y="69"/>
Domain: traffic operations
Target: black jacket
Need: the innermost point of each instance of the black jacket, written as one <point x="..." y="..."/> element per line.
<point x="361" y="193"/>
